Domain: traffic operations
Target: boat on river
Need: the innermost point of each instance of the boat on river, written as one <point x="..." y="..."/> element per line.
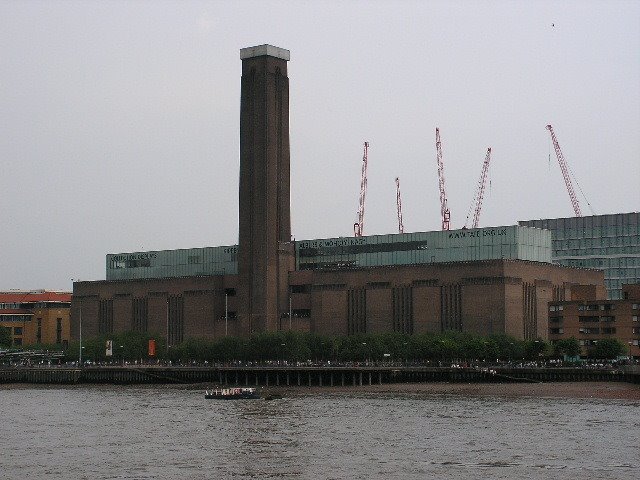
<point x="244" y="393"/>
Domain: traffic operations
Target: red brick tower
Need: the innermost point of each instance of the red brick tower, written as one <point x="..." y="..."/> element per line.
<point x="265" y="252"/>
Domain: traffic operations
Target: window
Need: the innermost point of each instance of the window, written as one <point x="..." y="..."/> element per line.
<point x="582" y="319"/>
<point x="143" y="262"/>
<point x="302" y="313"/>
<point x="194" y="259"/>
<point x="556" y="331"/>
<point x="635" y="318"/>
<point x="118" y="263"/>
<point x="556" y="308"/>
<point x="230" y="292"/>
<point x="300" y="288"/>
<point x="59" y="330"/>
<point x="635" y="306"/>
<point x="589" y="331"/>
<point x="609" y="330"/>
<point x="17" y="330"/>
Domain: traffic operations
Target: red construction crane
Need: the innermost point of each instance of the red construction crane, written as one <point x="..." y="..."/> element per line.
<point x="565" y="173"/>
<point x="444" y="210"/>
<point x="358" y="227"/>
<point x="477" y="200"/>
<point x="399" y="206"/>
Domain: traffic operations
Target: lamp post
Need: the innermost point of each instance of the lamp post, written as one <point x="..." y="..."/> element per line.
<point x="80" y="335"/>
<point x="283" y="345"/>
<point x="167" y="325"/>
<point x="226" y="313"/>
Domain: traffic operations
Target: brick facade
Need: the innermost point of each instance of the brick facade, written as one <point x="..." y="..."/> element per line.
<point x="590" y="319"/>
<point x="485" y="297"/>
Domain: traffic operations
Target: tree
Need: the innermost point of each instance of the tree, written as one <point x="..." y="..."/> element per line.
<point x="534" y="349"/>
<point x="608" y="348"/>
<point x="5" y="337"/>
<point x="567" y="346"/>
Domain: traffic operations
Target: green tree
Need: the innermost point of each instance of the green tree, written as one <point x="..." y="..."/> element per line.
<point x="535" y="349"/>
<point x="228" y="349"/>
<point x="296" y="346"/>
<point x="609" y="348"/>
<point x="567" y="346"/>
<point x="506" y="347"/>
<point x="5" y="337"/>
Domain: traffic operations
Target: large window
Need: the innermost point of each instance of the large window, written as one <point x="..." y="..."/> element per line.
<point x="589" y="331"/>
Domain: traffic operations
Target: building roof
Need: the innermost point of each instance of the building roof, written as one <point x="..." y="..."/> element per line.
<point x="34" y="296"/>
<point x="630" y="216"/>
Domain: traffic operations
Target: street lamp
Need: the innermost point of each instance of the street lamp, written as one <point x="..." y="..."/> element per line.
<point x="226" y="313"/>
<point x="167" y="325"/>
<point x="80" y="335"/>
<point x="405" y="353"/>
<point x="283" y="345"/>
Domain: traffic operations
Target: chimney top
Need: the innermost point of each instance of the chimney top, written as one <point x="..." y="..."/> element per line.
<point x="262" y="50"/>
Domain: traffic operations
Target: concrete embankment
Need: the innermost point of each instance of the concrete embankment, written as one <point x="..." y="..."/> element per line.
<point x="307" y="375"/>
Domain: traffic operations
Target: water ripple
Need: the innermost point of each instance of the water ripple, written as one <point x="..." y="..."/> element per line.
<point x="100" y="433"/>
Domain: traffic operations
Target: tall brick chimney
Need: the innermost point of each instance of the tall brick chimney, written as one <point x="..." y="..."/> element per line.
<point x="265" y="250"/>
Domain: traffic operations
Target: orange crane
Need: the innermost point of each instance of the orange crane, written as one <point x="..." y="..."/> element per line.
<point x="444" y="210"/>
<point x="477" y="201"/>
<point x="399" y="206"/>
<point x="358" y="227"/>
<point x="565" y="173"/>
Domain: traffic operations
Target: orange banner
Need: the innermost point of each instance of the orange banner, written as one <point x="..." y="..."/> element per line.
<point x="152" y="348"/>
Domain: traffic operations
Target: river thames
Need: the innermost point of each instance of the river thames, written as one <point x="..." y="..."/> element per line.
<point x="114" y="432"/>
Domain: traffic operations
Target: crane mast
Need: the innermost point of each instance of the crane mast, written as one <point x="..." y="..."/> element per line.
<point x="444" y="210"/>
<point x="399" y="206"/>
<point x="358" y="227"/>
<point x="477" y="201"/>
<point x="565" y="173"/>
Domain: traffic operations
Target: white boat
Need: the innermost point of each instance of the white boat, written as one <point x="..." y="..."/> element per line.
<point x="232" y="394"/>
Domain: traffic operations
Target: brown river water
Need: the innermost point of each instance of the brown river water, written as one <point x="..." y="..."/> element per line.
<point x="115" y="432"/>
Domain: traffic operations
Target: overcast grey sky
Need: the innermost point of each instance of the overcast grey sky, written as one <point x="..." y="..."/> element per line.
<point x="120" y="120"/>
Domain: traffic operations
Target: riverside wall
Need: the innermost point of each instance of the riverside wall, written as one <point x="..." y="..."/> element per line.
<point x="306" y="375"/>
